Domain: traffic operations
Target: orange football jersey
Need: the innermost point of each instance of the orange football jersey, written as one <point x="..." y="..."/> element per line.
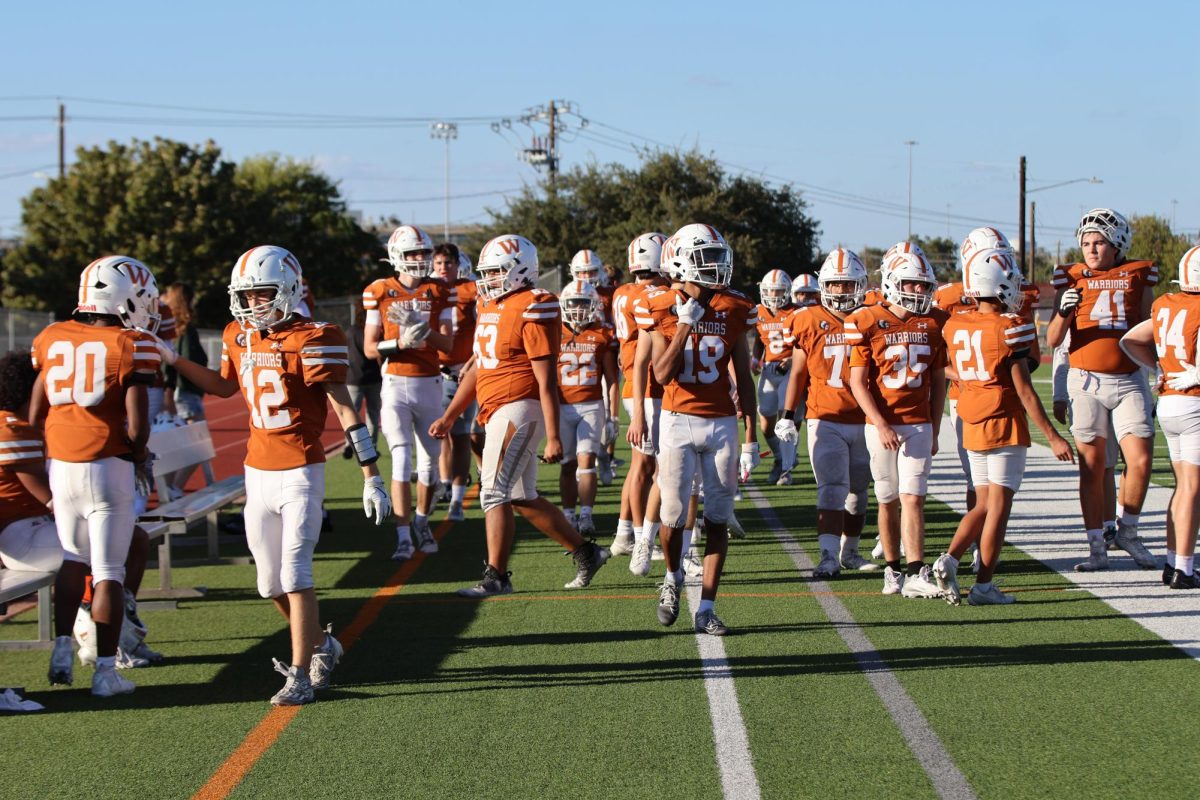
<point x="281" y="373"/>
<point x="774" y="329"/>
<point x="1176" y="319"/>
<point x="703" y="388"/>
<point x="1111" y="304"/>
<point x="897" y="353"/>
<point x="872" y="297"/>
<point x="20" y="445"/>
<point x="581" y="362"/>
<point x="951" y="298"/>
<point x="822" y="336"/>
<point x="87" y="369"/>
<point x="435" y="300"/>
<point x="607" y="293"/>
<point x="981" y="348"/>
<point x="166" y="332"/>
<point x="639" y="318"/>
<point x="509" y="332"/>
<point x="464" y="324"/>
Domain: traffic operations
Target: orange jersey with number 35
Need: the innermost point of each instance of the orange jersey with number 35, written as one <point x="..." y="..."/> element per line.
<point x="509" y="332"/>
<point x="897" y="354"/>
<point x="1176" y="320"/>
<point x="774" y="328"/>
<point x="581" y="362"/>
<point x="1110" y="304"/>
<point x="822" y="336"/>
<point x="281" y="374"/>
<point x="702" y="387"/>
<point x="86" y="370"/>
<point x="981" y="349"/>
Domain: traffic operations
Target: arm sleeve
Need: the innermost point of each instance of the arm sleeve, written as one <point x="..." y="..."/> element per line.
<point x="1059" y="369"/>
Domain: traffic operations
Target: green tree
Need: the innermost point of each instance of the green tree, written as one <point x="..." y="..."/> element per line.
<point x="604" y="206"/>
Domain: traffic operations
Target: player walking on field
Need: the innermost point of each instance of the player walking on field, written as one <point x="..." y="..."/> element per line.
<point x="988" y="348"/>
<point x="287" y="367"/>
<point x="772" y="358"/>
<point x="452" y="267"/>
<point x="837" y="445"/>
<point x="514" y="378"/>
<point x="410" y="318"/>
<point x="90" y="398"/>
<point x="697" y="331"/>
<point x="1171" y="336"/>
<point x="898" y="377"/>
<point x="1098" y="301"/>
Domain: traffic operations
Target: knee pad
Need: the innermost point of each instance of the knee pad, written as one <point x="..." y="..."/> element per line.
<point x="581" y="472"/>
<point x="886" y="492"/>
<point x="832" y="496"/>
<point x="402" y="461"/>
<point x="856" y="503"/>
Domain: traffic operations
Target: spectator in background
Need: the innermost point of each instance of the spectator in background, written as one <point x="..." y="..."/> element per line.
<point x="363" y="380"/>
<point x="615" y="276"/>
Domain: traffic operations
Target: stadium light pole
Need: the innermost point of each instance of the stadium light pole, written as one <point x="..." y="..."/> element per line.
<point x="445" y="131"/>
<point x="910" y="144"/>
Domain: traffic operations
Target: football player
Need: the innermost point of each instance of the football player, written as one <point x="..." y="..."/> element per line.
<point x="450" y="268"/>
<point x="989" y="347"/>
<point x="642" y="397"/>
<point x="587" y="416"/>
<point x="837" y="445"/>
<point x="90" y="398"/>
<point x="1170" y="337"/>
<point x="287" y="368"/>
<point x="1097" y="301"/>
<point x="410" y="319"/>
<point x="513" y="378"/>
<point x="805" y="290"/>
<point x="898" y="377"/>
<point x="586" y="265"/>
<point x="771" y="357"/>
<point x="697" y="330"/>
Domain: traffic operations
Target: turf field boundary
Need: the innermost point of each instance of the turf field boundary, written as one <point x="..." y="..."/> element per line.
<point x="263" y="736"/>
<point x="734" y="761"/>
<point x="1045" y="524"/>
<point x="947" y="779"/>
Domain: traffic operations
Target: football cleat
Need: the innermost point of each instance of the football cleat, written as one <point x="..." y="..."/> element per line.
<point x="587" y="525"/>
<point x="853" y="560"/>
<point x="1181" y="581"/>
<point x="656" y="553"/>
<point x="442" y="493"/>
<point x="143" y="651"/>
<point x="639" y="562"/>
<point x="107" y="682"/>
<point x="735" y="528"/>
<point x="570" y="515"/>
<point x="426" y="542"/>
<point x="877" y="550"/>
<point x="622" y="544"/>
<point x="1110" y="536"/>
<point x="829" y="566"/>
<point x="785" y="478"/>
<point x="945" y="571"/>
<point x="1168" y="573"/>
<point x="921" y="586"/>
<point x="893" y="581"/>
<point x="589" y="558"/>
<point x="130" y="661"/>
<point x="10" y="701"/>
<point x="297" y="689"/>
<point x="324" y="658"/>
<point x="693" y="565"/>
<point x="604" y="472"/>
<point x="62" y="660"/>
<point x="1128" y="540"/>
<point x="494" y="582"/>
<point x="1097" y="557"/>
<point x="455" y="514"/>
<point x="668" y="602"/>
<point x="989" y="595"/>
<point x="708" y="622"/>
<point x="404" y="550"/>
<point x="775" y="473"/>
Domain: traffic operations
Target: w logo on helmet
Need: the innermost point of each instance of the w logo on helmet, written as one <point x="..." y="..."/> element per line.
<point x="510" y="246"/>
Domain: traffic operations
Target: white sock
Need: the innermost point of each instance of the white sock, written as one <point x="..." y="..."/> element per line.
<point x="676" y="576"/>
<point x="585" y="511"/>
<point x="1185" y="563"/>
<point x="687" y="541"/>
<point x="705" y="605"/>
<point x="1130" y="519"/>
<point x="849" y="545"/>
<point x="828" y="542"/>
<point x="638" y="534"/>
<point x="458" y="492"/>
<point x="624" y="526"/>
<point x="652" y="531"/>
<point x="402" y="534"/>
<point x="106" y="662"/>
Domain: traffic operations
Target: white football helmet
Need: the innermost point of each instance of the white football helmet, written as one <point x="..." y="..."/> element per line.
<point x="1109" y="224"/>
<point x="981" y="239"/>
<point x="993" y="272"/>
<point x="580" y="304"/>
<point x="1189" y="271"/>
<point x="410" y="251"/>
<point x="645" y="255"/>
<point x="465" y="268"/>
<point x="806" y="290"/>
<point x="903" y="247"/>
<point x="842" y="266"/>
<point x="265" y="267"/>
<point x="586" y="265"/>
<point x="122" y="287"/>
<point x="506" y="263"/>
<point x="774" y="290"/>
<point x="698" y="254"/>
<point x="906" y="268"/>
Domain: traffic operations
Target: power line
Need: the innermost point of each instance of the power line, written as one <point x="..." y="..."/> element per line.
<point x="431" y="199"/>
<point x="28" y="171"/>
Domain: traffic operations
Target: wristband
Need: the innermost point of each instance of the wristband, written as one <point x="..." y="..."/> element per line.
<point x="360" y="440"/>
<point x="788" y="414"/>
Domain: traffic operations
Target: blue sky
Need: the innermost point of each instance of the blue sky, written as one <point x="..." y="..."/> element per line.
<point x="823" y="94"/>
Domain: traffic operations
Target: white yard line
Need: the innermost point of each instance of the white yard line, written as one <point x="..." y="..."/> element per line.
<point x="1046" y="524"/>
<point x="948" y="781"/>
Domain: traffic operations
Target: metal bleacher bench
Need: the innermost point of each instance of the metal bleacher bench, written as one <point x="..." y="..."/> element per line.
<point x="18" y="583"/>
<point x="178" y="448"/>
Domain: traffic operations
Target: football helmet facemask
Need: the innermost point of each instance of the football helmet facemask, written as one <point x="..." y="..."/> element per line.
<point x="506" y="263"/>
<point x="265" y="267"/>
<point x="580" y="304"/>
<point x="410" y="251"/>
<point x="842" y="266"/>
<point x="907" y="268"/>
<point x="774" y="290"/>
<point x="1109" y="224"/>
<point x="698" y="254"/>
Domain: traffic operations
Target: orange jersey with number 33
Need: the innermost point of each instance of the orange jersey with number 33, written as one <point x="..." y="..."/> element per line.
<point x="897" y="354"/>
<point x="281" y="374"/>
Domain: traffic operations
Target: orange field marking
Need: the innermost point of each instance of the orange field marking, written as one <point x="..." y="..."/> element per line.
<point x="263" y="735"/>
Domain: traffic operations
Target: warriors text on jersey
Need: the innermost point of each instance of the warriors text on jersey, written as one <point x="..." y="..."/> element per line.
<point x="281" y="373"/>
<point x="981" y="348"/>
<point x="1110" y="304"/>
<point x="20" y="445"/>
<point x="773" y="330"/>
<point x="580" y="362"/>
<point x="430" y="297"/>
<point x="897" y="354"/>
<point x="509" y="332"/>
<point x="821" y="335"/>
<point x="86" y="370"/>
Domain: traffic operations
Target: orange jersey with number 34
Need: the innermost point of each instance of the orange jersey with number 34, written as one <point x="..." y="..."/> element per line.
<point x="1176" y="320"/>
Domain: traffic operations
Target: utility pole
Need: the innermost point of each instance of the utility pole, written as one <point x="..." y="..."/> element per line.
<point x="553" y="165"/>
<point x="910" y="144"/>
<point x="1021" y="212"/>
<point x="1033" y="241"/>
<point x="62" y="140"/>
<point x="1173" y="204"/>
<point x="445" y="131"/>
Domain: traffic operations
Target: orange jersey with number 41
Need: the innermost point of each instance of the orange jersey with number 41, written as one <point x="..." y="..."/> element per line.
<point x="1110" y="304"/>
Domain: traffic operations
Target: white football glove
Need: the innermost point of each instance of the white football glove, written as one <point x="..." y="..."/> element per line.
<point x="748" y="461"/>
<point x="1069" y="302"/>
<point x="143" y="477"/>
<point x="689" y="313"/>
<point x="404" y="315"/>
<point x="376" y="503"/>
<point x="609" y="434"/>
<point x="1187" y="378"/>
<point x="165" y="351"/>
<point x="414" y="335"/>
<point x="785" y="430"/>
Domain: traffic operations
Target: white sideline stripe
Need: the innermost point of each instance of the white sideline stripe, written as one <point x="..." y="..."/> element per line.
<point x="734" y="762"/>
<point x="948" y="781"/>
<point x="1045" y="523"/>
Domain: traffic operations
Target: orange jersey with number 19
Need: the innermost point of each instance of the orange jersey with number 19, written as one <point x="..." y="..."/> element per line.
<point x="281" y="373"/>
<point x="821" y="334"/>
<point x="581" y="362"/>
<point x="981" y="350"/>
<point x="1110" y="304"/>
<point x="897" y="354"/>
<point x="86" y="371"/>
